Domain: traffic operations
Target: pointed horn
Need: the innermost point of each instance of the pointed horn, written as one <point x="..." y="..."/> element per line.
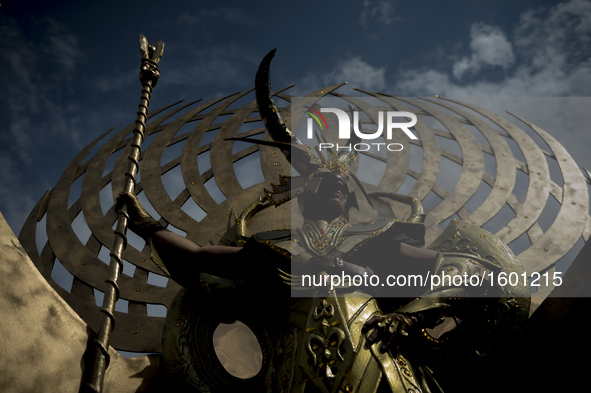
<point x="267" y="109"/>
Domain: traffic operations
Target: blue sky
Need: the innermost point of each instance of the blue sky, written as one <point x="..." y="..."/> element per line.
<point x="68" y="69"/>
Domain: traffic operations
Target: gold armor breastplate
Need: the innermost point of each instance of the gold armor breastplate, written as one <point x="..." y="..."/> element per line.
<point x="324" y="350"/>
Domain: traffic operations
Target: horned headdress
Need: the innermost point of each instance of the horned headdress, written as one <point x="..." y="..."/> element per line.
<point x="309" y="162"/>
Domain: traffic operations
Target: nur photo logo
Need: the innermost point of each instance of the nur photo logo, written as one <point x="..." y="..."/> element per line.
<point x="386" y="122"/>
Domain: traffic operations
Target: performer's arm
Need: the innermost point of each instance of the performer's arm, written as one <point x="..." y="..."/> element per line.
<point x="417" y="254"/>
<point x="184" y="259"/>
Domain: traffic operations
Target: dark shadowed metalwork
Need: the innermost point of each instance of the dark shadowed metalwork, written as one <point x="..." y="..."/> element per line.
<point x="193" y="180"/>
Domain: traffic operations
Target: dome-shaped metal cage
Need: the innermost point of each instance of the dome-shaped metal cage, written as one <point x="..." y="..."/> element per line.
<point x="467" y="163"/>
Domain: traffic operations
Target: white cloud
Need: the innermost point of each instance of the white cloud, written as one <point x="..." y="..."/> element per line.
<point x="489" y="47"/>
<point x="359" y="74"/>
<point x="63" y="47"/>
<point x="552" y="58"/>
<point x="548" y="54"/>
<point x="381" y="10"/>
<point x="355" y="71"/>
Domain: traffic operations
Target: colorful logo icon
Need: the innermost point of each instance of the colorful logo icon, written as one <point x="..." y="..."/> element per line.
<point x="315" y="116"/>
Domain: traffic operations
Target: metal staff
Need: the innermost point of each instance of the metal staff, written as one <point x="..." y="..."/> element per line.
<point x="149" y="74"/>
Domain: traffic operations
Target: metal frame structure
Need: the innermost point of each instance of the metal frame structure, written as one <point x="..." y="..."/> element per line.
<point x="191" y="140"/>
